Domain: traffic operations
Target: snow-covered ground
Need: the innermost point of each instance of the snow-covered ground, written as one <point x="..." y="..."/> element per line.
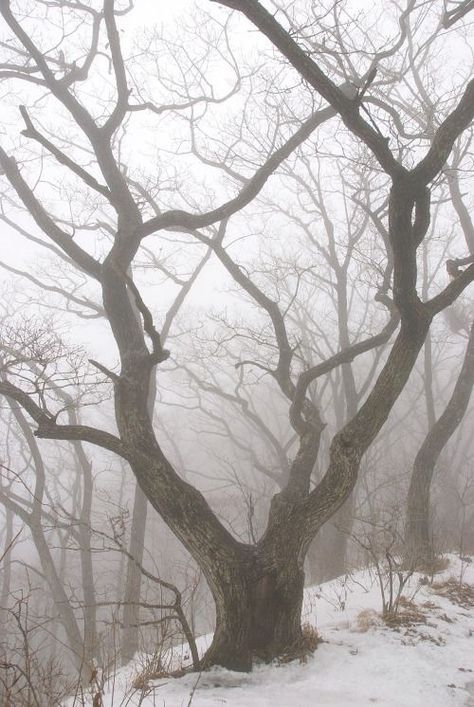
<point x="429" y="663"/>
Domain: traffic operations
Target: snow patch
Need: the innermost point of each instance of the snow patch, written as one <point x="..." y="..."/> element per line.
<point x="425" y="659"/>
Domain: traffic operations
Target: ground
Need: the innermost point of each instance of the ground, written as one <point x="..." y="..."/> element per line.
<point x="425" y="657"/>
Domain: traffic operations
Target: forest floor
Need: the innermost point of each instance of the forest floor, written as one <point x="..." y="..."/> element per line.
<point x="421" y="657"/>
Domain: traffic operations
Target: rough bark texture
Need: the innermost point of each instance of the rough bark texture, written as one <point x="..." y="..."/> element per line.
<point x="258" y="611"/>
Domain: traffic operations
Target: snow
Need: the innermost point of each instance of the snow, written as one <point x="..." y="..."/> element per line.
<point x="361" y="661"/>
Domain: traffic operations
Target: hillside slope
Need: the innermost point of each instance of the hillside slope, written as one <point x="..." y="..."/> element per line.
<point x="424" y="658"/>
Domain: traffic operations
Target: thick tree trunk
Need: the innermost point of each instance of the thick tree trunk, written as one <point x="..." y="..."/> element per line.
<point x="419" y="547"/>
<point x="258" y="614"/>
<point x="258" y="590"/>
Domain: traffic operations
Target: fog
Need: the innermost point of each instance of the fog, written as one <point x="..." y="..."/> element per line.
<point x="236" y="348"/>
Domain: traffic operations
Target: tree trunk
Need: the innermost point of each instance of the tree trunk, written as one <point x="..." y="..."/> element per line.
<point x="258" y="614"/>
<point x="328" y="552"/>
<point x="33" y="519"/>
<point x="62" y="605"/>
<point x="418" y="540"/>
<point x="6" y="565"/>
<point x="131" y="614"/>
<point x="84" y="468"/>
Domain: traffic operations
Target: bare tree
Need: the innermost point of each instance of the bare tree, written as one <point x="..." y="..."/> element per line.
<point x="419" y="542"/>
<point x="419" y="534"/>
<point x="30" y="512"/>
<point x="257" y="588"/>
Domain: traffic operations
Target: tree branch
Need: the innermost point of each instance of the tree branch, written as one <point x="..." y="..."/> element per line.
<point x="450" y="129"/>
<point x="345" y="356"/>
<point x="348" y="108"/>
<point x="452" y="291"/>
<point x="187" y="221"/>
<point x="85" y="261"/>
<point x="61" y="157"/>
<point x="49" y="429"/>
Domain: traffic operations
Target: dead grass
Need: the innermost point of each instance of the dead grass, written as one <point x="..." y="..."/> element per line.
<point x="365" y="620"/>
<point x="309" y="641"/>
<point x="457" y="592"/>
<point x="413" y="637"/>
<point x="408" y="614"/>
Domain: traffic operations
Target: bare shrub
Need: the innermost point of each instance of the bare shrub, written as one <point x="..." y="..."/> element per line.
<point x="382" y="542"/>
<point x="28" y="676"/>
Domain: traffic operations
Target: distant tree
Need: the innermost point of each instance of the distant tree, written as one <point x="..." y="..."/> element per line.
<point x="420" y="548"/>
<point x="31" y="512"/>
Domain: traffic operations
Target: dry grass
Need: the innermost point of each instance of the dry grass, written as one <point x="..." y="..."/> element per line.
<point x="309" y="641"/>
<point x="365" y="620"/>
<point x="457" y="592"/>
<point x="408" y="614"/>
<point x="413" y="637"/>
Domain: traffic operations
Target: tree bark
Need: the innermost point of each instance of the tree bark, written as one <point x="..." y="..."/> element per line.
<point x="258" y="610"/>
<point x="133" y="582"/>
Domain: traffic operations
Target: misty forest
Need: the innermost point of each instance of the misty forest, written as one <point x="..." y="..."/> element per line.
<point x="236" y="353"/>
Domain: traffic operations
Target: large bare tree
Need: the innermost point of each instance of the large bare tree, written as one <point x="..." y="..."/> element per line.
<point x="258" y="587"/>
